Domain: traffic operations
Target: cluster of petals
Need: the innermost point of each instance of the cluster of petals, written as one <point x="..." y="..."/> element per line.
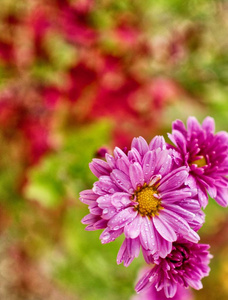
<point x="185" y="266"/>
<point x="206" y="155"/>
<point x="115" y="207"/>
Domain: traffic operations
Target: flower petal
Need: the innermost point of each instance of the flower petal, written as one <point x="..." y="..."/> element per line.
<point x="122" y="218"/>
<point x="148" y="235"/>
<point x="99" y="167"/>
<point x="164" y="229"/>
<point x="132" y="229"/>
<point x="105" y="185"/>
<point x="88" y="197"/>
<point x="120" y="200"/>
<point x="157" y="142"/>
<point x="122" y="181"/>
<point x="149" y="165"/>
<point x="141" y="145"/>
<point x="136" y="175"/>
<point x="209" y="124"/>
<point x="173" y="180"/>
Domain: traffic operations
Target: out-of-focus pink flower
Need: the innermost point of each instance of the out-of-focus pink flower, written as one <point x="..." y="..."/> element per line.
<point x="23" y="112"/>
<point x="74" y="23"/>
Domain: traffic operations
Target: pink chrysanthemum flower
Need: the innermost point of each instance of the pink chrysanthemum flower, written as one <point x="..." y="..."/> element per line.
<point x="141" y="194"/>
<point x="206" y="154"/>
<point x="185" y="266"/>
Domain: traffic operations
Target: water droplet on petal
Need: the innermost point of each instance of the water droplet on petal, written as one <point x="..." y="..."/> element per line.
<point x="105" y="211"/>
<point x="106" y="236"/>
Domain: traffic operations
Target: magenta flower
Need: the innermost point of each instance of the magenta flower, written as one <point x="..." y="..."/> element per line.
<point x="206" y="154"/>
<point x="185" y="266"/>
<point x="141" y="194"/>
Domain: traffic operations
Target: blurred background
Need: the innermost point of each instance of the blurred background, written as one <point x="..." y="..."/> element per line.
<point x="77" y="76"/>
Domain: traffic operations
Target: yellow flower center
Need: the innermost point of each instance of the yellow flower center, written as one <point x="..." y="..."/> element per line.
<point x="200" y="162"/>
<point x="148" y="204"/>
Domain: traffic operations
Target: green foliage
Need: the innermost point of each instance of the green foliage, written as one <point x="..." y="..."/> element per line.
<point x="65" y="172"/>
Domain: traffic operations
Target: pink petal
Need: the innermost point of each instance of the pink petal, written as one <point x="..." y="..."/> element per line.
<point x="173" y="180"/>
<point x="108" y="235"/>
<point x="149" y="165"/>
<point x="105" y="185"/>
<point x="132" y="229"/>
<point x="136" y="175"/>
<point x="175" y="196"/>
<point x="99" y="167"/>
<point x="148" y="235"/>
<point x="164" y="229"/>
<point x="88" y="197"/>
<point x="209" y="124"/>
<point x="121" y="200"/>
<point x="140" y="144"/>
<point x="157" y="142"/>
<point x="122" y="181"/>
<point x="122" y="218"/>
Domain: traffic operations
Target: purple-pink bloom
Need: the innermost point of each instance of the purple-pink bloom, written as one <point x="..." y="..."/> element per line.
<point x="142" y="194"/>
<point x="206" y="154"/>
<point x="185" y="266"/>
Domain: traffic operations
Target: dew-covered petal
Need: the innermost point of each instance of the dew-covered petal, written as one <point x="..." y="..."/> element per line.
<point x="175" y="196"/>
<point x="99" y="167"/>
<point x="157" y="142"/>
<point x="165" y="230"/>
<point x="88" y="197"/>
<point x="165" y="247"/>
<point x="149" y="164"/>
<point x="128" y="251"/>
<point x="134" y="156"/>
<point x="108" y="235"/>
<point x="122" y="165"/>
<point x="121" y="200"/>
<point x="146" y="280"/>
<point x="132" y="229"/>
<point x="122" y="181"/>
<point x="136" y="175"/>
<point x="105" y="185"/>
<point x="122" y="218"/>
<point x="104" y="201"/>
<point x="141" y="145"/>
<point x="190" y="205"/>
<point x="110" y="160"/>
<point x="173" y="180"/>
<point x="148" y="235"/>
<point x="108" y="212"/>
<point x="186" y="214"/>
<point x="179" y="225"/>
